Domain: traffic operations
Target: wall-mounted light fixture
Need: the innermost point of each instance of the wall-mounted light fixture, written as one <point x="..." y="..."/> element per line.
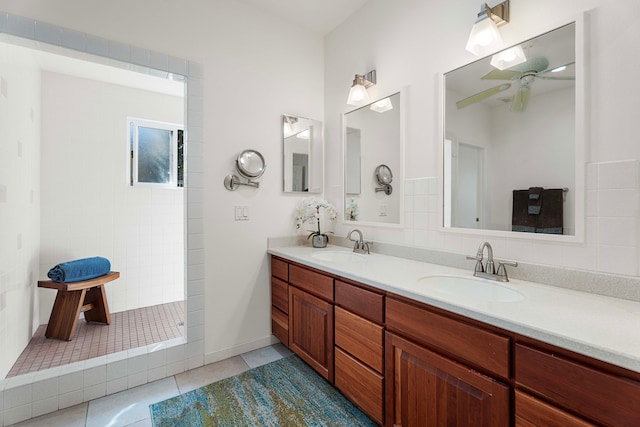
<point x="358" y="94"/>
<point x="485" y="37"/>
<point x="508" y="58"/>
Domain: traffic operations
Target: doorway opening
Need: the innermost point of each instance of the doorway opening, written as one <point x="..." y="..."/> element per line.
<point x="71" y="132"/>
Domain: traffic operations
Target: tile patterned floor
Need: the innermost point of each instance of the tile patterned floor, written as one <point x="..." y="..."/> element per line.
<point x="128" y="329"/>
<point x="131" y="407"/>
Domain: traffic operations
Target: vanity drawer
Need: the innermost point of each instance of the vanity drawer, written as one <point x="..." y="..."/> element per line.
<point x="360" y="337"/>
<point x="531" y="412"/>
<point x="280" y="294"/>
<point x="600" y="396"/>
<point x="467" y="343"/>
<point x="367" y="304"/>
<point x="279" y="269"/>
<point x="312" y="282"/>
<point x="280" y="325"/>
<point x="360" y="384"/>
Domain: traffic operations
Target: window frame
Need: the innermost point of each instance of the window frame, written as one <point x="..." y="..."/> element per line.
<point x="133" y="125"/>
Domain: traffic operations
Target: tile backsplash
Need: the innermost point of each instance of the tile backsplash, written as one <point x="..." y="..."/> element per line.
<point x="611" y="235"/>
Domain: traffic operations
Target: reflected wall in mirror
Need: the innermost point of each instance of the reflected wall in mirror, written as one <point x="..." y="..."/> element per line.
<point x="512" y="130"/>
<point x="373" y="137"/>
<point x="302" y="147"/>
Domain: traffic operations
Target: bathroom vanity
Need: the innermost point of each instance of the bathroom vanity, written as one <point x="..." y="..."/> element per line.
<point x="382" y="330"/>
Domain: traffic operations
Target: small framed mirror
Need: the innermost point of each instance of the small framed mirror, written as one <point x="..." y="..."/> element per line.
<point x="302" y="142"/>
<point x="384" y="175"/>
<point x="384" y="178"/>
<point x="250" y="164"/>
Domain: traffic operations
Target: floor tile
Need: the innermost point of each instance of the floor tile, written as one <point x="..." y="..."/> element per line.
<point x="128" y="329"/>
<point x="199" y="377"/>
<point x="129" y="406"/>
<point x="261" y="356"/>
<point x="142" y="423"/>
<point x="74" y="416"/>
<point x="284" y="351"/>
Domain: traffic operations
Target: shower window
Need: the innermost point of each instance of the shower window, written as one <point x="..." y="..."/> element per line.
<point x="156" y="153"/>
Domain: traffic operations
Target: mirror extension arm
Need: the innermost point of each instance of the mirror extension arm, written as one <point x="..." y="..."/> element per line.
<point x="232" y="182"/>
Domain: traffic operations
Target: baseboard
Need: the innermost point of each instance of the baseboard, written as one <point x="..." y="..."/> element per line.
<point x="239" y="349"/>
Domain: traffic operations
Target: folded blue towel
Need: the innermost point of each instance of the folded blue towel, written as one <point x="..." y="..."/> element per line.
<point x="80" y="269"/>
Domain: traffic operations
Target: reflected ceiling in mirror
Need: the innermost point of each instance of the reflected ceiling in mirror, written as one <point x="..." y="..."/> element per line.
<point x="508" y="131"/>
<point x="373" y="138"/>
<point x="302" y="141"/>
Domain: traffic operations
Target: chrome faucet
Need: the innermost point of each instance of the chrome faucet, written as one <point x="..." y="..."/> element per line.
<point x="359" y="245"/>
<point x="488" y="270"/>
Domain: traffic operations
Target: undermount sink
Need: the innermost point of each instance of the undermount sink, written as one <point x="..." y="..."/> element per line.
<point x="338" y="256"/>
<point x="471" y="288"/>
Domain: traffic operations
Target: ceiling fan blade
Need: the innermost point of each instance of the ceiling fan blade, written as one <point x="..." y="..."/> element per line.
<point x="548" y="70"/>
<point x="482" y="95"/>
<point x="502" y="75"/>
<point x="519" y="102"/>
<point x="531" y="65"/>
<point x="555" y="78"/>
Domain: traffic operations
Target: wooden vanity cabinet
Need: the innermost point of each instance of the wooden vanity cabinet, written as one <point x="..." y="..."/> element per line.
<point x="359" y="347"/>
<point x="429" y="380"/>
<point x="405" y="363"/>
<point x="280" y="300"/>
<point x="302" y="313"/>
<point x="311" y="318"/>
<point x="569" y="386"/>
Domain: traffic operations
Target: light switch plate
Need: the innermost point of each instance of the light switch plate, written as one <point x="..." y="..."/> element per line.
<point x="241" y="212"/>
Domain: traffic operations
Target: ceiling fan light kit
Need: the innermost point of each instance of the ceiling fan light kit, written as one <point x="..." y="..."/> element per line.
<point x="524" y="74"/>
<point x="485" y="37"/>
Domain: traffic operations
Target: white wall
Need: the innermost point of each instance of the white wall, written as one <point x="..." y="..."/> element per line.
<point x="19" y="202"/>
<point x="410" y="43"/>
<point x="88" y="207"/>
<point x="255" y="68"/>
<point x="526" y="152"/>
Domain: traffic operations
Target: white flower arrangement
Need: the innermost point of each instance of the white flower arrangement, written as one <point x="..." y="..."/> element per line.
<point x="352" y="211"/>
<point x="308" y="211"/>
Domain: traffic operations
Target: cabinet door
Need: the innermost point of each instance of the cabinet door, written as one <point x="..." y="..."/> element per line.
<point x="426" y="389"/>
<point x="311" y="331"/>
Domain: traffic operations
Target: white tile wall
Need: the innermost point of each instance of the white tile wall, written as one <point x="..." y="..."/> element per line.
<point x="612" y="235"/>
<point x="71" y="385"/>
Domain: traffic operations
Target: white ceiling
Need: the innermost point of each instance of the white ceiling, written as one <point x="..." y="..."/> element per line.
<point x="319" y="16"/>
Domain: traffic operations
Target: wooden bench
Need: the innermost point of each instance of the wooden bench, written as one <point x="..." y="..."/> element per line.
<point x="86" y="296"/>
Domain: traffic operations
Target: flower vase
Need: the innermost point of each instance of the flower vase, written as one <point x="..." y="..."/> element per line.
<point x="320" y="240"/>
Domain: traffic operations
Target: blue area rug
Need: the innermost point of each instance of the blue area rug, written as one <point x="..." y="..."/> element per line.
<point x="286" y="392"/>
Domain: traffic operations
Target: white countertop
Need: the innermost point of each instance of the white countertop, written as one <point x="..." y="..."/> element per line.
<point x="601" y="327"/>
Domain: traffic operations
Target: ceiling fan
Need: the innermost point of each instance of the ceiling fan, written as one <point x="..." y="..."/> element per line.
<point x="525" y="74"/>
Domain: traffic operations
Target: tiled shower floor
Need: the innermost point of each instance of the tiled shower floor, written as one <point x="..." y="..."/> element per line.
<point x="128" y="329"/>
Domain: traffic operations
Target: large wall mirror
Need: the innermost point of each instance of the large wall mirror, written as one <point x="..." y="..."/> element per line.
<point x="373" y="138"/>
<point x="513" y="143"/>
<point x="302" y="141"/>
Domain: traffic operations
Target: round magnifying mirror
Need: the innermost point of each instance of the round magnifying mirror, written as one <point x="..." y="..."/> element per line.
<point x="250" y="164"/>
<point x="384" y="175"/>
